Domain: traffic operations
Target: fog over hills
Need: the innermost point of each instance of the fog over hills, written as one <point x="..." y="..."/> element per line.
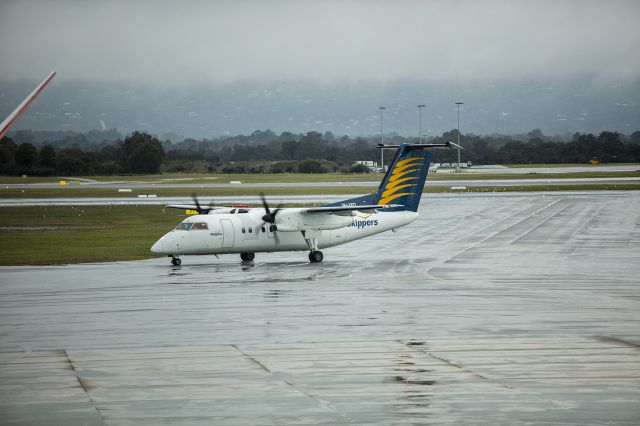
<point x="201" y="68"/>
<point x="556" y="106"/>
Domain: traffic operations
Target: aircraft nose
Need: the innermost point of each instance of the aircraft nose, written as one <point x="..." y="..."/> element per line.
<point x="158" y="247"/>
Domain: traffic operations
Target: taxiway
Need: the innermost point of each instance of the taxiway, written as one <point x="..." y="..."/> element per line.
<point x="490" y="309"/>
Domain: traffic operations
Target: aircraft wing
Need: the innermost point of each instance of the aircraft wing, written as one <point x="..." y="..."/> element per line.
<point x="4" y="127"/>
<point x="192" y="207"/>
<point x="349" y="209"/>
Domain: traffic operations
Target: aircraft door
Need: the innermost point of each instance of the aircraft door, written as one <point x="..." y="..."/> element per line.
<point x="228" y="233"/>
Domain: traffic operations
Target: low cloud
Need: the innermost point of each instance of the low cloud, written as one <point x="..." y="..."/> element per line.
<point x="324" y="41"/>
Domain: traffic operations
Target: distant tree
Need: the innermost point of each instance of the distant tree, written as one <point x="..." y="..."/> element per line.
<point x="108" y="153"/>
<point x="535" y="134"/>
<point x="70" y="165"/>
<point x="612" y="147"/>
<point x="359" y="168"/>
<point x="108" y="168"/>
<point x="26" y="156"/>
<point x="283" y="167"/>
<point x="7" y="151"/>
<point x="47" y="157"/>
<point x="289" y="149"/>
<point x="146" y="158"/>
<point x="311" y="166"/>
<point x="141" y="153"/>
<point x="635" y="137"/>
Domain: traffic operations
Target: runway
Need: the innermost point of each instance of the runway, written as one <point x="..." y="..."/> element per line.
<point x="490" y="309"/>
<point x="150" y="186"/>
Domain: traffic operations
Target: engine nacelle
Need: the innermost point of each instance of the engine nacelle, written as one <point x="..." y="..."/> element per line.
<point x="299" y="221"/>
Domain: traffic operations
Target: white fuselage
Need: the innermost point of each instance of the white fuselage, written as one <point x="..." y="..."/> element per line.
<point x="219" y="233"/>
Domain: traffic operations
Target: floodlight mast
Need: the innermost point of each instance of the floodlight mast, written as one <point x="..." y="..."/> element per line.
<point x="420" y="133"/>
<point x="381" y="140"/>
<point x="458" y="105"/>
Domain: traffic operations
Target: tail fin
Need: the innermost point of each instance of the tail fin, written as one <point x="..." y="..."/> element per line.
<point x="404" y="181"/>
<point x="4" y="126"/>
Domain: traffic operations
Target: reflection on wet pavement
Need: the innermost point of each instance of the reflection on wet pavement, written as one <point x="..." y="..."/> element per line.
<point x="489" y="309"/>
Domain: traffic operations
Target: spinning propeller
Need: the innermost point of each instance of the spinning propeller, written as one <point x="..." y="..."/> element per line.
<point x="199" y="208"/>
<point x="270" y="216"/>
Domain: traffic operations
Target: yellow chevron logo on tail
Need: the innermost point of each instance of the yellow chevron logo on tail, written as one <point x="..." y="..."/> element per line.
<point x="403" y="171"/>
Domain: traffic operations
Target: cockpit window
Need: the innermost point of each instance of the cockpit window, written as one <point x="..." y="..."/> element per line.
<point x="184" y="226"/>
<point x="243" y="210"/>
<point x="199" y="225"/>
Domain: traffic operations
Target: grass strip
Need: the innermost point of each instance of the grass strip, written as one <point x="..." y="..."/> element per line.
<point x="239" y="191"/>
<point x="302" y="177"/>
<point x="78" y="234"/>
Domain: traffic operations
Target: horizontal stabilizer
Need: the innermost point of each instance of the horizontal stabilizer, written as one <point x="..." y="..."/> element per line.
<point x="447" y="145"/>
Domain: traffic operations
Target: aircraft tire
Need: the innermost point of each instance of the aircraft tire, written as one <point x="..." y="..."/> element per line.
<point x="316" y="256"/>
<point x="175" y="261"/>
<point x="247" y="256"/>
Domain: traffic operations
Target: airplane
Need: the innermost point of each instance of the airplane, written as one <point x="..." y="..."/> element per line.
<point x="239" y="229"/>
<point x="4" y="126"/>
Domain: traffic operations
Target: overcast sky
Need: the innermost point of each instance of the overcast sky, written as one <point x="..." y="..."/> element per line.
<point x="178" y="42"/>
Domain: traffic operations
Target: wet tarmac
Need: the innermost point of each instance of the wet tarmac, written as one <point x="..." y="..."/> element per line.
<point x="490" y="309"/>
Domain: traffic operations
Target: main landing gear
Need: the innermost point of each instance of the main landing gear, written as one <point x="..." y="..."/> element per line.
<point x="175" y="261"/>
<point x="311" y="238"/>
<point x="316" y="256"/>
<point x="247" y="257"/>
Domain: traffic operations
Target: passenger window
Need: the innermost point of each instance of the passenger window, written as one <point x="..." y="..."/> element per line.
<point x="184" y="226"/>
<point x="199" y="225"/>
<point x="263" y="230"/>
<point x="243" y="230"/>
<point x="250" y="230"/>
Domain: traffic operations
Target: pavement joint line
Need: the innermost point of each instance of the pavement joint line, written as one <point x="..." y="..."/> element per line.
<point x="500" y="231"/>
<point x="453" y="364"/>
<point x="252" y="359"/>
<point x="618" y="340"/>
<point x="84" y="389"/>
<point x="324" y="402"/>
<point x="541" y="223"/>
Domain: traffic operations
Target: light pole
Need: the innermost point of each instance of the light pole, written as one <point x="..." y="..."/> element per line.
<point x="381" y="140"/>
<point x="420" y="134"/>
<point x="458" y="105"/>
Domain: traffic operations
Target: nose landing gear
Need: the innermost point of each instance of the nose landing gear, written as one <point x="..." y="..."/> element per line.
<point x="316" y="256"/>
<point x="247" y="257"/>
<point x="175" y="261"/>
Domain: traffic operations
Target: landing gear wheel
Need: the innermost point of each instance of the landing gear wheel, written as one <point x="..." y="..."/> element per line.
<point x="248" y="257"/>
<point x="316" y="256"/>
<point x="175" y="261"/>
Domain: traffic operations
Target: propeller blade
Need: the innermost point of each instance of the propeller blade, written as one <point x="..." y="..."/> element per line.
<point x="270" y="216"/>
<point x="266" y="206"/>
<point x="199" y="208"/>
